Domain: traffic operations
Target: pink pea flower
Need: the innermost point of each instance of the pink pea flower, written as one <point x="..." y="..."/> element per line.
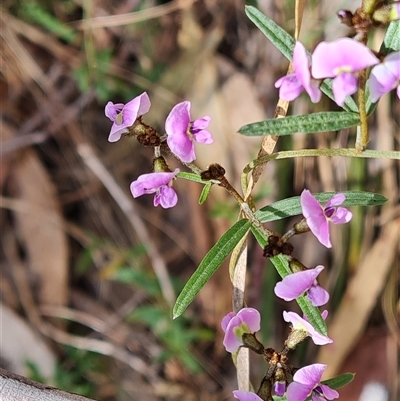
<point x="318" y="217"/>
<point x="158" y="183"/>
<point x="181" y="132"/>
<point x="234" y="325"/>
<point x="306" y="382"/>
<point x="246" y="396"/>
<point x="385" y="77"/>
<point x="293" y="285"/>
<point x="124" y="115"/>
<point x="300" y="324"/>
<point x="341" y="60"/>
<point x="291" y="85"/>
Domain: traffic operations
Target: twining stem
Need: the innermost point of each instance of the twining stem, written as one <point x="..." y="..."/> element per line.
<point x="363" y="137"/>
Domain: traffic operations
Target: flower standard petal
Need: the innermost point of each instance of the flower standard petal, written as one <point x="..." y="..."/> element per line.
<point x="293" y="285"/>
<point x="301" y="66"/>
<point x="176" y="126"/>
<point x="310" y="375"/>
<point x="381" y="81"/>
<point x="251" y="317"/>
<point x="299" y="323"/>
<point x="316" y="219"/>
<point x="226" y="319"/>
<point x="345" y="54"/>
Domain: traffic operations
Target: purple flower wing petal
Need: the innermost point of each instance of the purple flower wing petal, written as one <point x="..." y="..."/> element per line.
<point x="392" y="63"/>
<point x="344" y="85"/>
<point x="203" y="136"/>
<point x="381" y="81"/>
<point x="341" y="216"/>
<point x="144" y="104"/>
<point x="226" y="319"/>
<point x="111" y="110"/>
<point x="246" y="396"/>
<point x="149" y="183"/>
<point x="329" y="393"/>
<point x="336" y="200"/>
<point x="201" y="123"/>
<point x="318" y="296"/>
<point x="280" y="388"/>
<point x="289" y="86"/>
<point x="310" y="375"/>
<point x="297" y="392"/>
<point x="251" y="317"/>
<point x="168" y="197"/>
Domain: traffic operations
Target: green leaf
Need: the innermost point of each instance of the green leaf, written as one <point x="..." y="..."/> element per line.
<point x="191" y="177"/>
<point x="339" y="381"/>
<point x="282" y="266"/>
<point x="204" y="193"/>
<point x="310" y="123"/>
<point x="291" y="206"/>
<point x="285" y="44"/>
<point x="208" y="266"/>
<point x="278" y="36"/>
<point x="391" y="41"/>
<point x="390" y="44"/>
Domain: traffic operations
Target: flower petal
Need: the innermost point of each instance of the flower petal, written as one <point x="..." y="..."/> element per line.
<point x="318" y="296"/>
<point x="289" y="86"/>
<point x="344" y="85"/>
<point x="111" y="110"/>
<point x="168" y="197"/>
<point x="251" y="317"/>
<point x="203" y="136"/>
<point x="280" y="388"/>
<point x="231" y="341"/>
<point x="336" y="200"/>
<point x="226" y="319"/>
<point x="135" y="108"/>
<point x="316" y="220"/>
<point x="301" y="324"/>
<point x="329" y="393"/>
<point x="295" y="284"/>
<point x="297" y="392"/>
<point x="341" y="216"/>
<point x="310" y="375"/>
<point x="246" y="396"/>
<point x="342" y="54"/>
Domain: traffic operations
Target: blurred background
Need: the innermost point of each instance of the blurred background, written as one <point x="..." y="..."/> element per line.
<point x="85" y="268"/>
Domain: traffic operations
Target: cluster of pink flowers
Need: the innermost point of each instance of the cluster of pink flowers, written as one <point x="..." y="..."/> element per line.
<point x="307" y="380"/>
<point x="181" y="131"/>
<point x="340" y="60"/>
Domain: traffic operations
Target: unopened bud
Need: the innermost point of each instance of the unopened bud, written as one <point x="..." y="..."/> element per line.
<point x="387" y="13"/>
<point x="160" y="165"/>
<point x="346" y="17"/>
<point x="214" y="172"/>
<point x="295" y="338"/>
<point x="250" y="341"/>
<point x="301" y="227"/>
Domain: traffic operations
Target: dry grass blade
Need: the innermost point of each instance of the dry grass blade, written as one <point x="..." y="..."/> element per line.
<point x="138" y="16"/>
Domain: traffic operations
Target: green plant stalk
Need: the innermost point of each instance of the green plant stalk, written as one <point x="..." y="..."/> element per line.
<point x="363" y="135"/>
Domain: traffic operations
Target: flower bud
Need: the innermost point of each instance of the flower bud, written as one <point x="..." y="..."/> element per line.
<point x="160" y="165"/>
<point x="387" y="13"/>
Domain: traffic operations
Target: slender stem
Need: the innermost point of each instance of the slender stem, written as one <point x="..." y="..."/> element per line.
<point x="363" y="139"/>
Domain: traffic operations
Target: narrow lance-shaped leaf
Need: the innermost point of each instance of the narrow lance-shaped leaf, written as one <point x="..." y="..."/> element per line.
<point x="291" y="206"/>
<point x="208" y="266"/>
<point x="204" y="193"/>
<point x="310" y="123"/>
<point x="285" y="44"/>
<point x="339" y="381"/>
<point x="281" y="264"/>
